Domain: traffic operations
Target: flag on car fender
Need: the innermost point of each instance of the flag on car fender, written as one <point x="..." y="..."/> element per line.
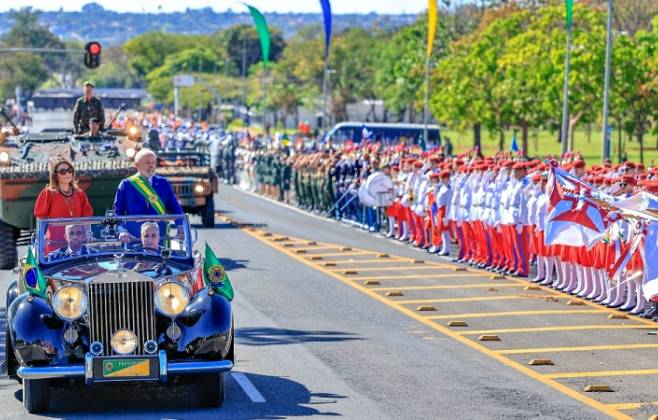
<point x="215" y="275"/>
<point x="34" y="280"/>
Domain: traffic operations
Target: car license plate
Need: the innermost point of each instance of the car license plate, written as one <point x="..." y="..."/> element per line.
<point x="122" y="368"/>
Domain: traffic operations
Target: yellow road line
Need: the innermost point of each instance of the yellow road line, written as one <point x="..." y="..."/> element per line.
<point x="413" y="276"/>
<point x="632" y="406"/>
<point x="336" y="254"/>
<point x="578" y="348"/>
<point x="411" y="267"/>
<point x="455" y="336"/>
<point x="599" y="374"/>
<point x="313" y="248"/>
<point x="387" y="260"/>
<point x="449" y="286"/>
<point x="570" y="297"/>
<point x="515" y="313"/>
<point x="466" y="299"/>
<point x="561" y="328"/>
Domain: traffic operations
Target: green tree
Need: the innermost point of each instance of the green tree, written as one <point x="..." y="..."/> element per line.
<point x="149" y="51"/>
<point x="469" y="80"/>
<point x="634" y="95"/>
<point x="241" y="41"/>
<point x="198" y="60"/>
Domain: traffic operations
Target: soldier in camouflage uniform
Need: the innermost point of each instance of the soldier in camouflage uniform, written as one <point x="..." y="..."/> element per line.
<point x="86" y="108"/>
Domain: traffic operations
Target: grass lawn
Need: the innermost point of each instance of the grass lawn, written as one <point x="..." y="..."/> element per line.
<point x="542" y="143"/>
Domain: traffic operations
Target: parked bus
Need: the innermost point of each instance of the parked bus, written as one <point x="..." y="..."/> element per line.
<point x="386" y="133"/>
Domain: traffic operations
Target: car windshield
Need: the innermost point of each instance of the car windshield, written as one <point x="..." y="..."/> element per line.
<point x="60" y="240"/>
<point x="182" y="159"/>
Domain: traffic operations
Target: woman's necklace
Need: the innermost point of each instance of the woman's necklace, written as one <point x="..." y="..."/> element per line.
<point x="68" y="199"/>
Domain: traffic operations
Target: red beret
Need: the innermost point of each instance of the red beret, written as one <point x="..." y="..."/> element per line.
<point x="444" y="174"/>
<point x="640" y="167"/>
<point x="652" y="187"/>
<point x="434" y="175"/>
<point x="579" y="164"/>
<point x="508" y="163"/>
<point x="536" y="177"/>
<point x="519" y="165"/>
<point x="434" y="159"/>
<point x="629" y="179"/>
<point x="418" y="164"/>
<point x="630" y="165"/>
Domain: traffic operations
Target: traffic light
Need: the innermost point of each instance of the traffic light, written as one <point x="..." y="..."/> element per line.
<point x="92" y="55"/>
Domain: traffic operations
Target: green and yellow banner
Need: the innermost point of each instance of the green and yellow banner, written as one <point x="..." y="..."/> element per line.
<point x="144" y="187"/>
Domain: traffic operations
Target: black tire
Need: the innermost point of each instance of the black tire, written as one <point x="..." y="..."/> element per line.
<point x="36" y="395"/>
<point x="8" y="254"/>
<point x="208" y="213"/>
<point x="10" y="363"/>
<point x="211" y="389"/>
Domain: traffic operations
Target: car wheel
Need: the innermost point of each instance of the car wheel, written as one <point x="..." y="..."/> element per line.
<point x="11" y="365"/>
<point x="36" y="395"/>
<point x="208" y="213"/>
<point x="8" y="254"/>
<point x="211" y="389"/>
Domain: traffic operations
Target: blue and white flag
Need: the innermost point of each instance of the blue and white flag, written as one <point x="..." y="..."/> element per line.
<point x="515" y="146"/>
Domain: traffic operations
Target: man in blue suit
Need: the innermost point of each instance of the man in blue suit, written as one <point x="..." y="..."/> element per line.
<point x="75" y="239"/>
<point x="145" y="194"/>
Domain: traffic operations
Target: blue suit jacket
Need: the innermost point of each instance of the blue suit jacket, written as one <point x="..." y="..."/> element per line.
<point x="130" y="202"/>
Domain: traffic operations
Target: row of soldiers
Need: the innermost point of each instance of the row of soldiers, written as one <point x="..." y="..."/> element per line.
<point x="494" y="210"/>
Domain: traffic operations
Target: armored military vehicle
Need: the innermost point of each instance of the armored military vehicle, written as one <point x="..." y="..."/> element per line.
<point x="101" y="162"/>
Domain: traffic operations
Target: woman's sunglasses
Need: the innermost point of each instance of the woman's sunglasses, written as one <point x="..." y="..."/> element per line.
<point x="64" y="171"/>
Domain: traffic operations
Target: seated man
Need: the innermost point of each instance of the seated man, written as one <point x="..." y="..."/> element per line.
<point x="150" y="235"/>
<point x="75" y="237"/>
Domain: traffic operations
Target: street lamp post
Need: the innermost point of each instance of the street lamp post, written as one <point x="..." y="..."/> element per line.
<point x="605" y="148"/>
<point x="565" y="104"/>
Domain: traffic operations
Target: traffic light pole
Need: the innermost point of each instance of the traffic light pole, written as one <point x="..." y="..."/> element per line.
<point x="42" y="50"/>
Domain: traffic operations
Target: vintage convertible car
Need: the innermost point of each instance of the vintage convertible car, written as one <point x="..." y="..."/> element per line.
<point x="117" y="299"/>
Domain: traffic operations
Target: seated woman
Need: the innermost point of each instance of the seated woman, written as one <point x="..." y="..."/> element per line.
<point x="61" y="198"/>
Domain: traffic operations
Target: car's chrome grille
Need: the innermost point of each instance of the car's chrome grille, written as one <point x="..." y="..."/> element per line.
<point x="121" y="305"/>
<point x="182" y="189"/>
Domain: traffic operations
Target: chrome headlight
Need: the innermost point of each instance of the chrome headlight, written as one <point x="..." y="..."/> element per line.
<point x="171" y="298"/>
<point x="124" y="342"/>
<point x="70" y="302"/>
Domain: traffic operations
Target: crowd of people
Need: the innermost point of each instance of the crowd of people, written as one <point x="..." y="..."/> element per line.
<point x="489" y="212"/>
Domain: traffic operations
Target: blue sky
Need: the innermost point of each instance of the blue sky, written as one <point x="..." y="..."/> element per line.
<point x="339" y="6"/>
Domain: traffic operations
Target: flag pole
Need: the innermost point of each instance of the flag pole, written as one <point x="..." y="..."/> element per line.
<point x="325" y="94"/>
<point x="564" y="135"/>
<point x="605" y="149"/>
<point x="427" y="99"/>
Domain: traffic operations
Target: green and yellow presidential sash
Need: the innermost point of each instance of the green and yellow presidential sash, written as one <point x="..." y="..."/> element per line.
<point x="144" y="187"/>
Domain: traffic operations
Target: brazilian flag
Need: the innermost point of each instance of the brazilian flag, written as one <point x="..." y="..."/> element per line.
<point x="35" y="282"/>
<point x="215" y="275"/>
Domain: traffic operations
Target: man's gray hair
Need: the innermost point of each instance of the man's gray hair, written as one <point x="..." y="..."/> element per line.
<point x="144" y="152"/>
<point x="147" y="225"/>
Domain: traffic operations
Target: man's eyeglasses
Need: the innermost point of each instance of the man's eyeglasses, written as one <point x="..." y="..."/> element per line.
<point x="64" y="171"/>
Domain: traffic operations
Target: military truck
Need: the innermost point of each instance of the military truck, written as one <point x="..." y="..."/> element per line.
<point x="193" y="179"/>
<point x="101" y="162"/>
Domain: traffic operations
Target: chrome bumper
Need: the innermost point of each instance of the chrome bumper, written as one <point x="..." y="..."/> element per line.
<point x="86" y="370"/>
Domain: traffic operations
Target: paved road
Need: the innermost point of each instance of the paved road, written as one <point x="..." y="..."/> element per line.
<point x="327" y="331"/>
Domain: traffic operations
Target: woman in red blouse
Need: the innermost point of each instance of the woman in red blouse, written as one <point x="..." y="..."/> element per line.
<point x="61" y="198"/>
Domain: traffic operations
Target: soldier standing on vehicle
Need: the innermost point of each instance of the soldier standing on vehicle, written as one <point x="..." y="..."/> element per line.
<point x="86" y="108"/>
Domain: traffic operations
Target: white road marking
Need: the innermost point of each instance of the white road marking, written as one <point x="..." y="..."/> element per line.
<point x="248" y="387"/>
